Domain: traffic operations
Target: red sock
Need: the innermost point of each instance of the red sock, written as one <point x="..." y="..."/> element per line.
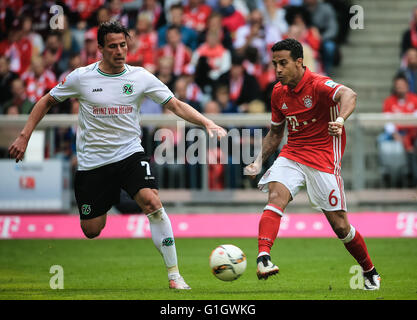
<point x="268" y="227"/>
<point x="357" y="248"/>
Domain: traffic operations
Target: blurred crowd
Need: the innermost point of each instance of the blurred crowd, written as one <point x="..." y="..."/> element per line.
<point x="213" y="54"/>
<point x="398" y="143"/>
<point x="201" y="49"/>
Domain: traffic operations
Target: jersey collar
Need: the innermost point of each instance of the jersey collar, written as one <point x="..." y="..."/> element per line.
<point x="304" y="79"/>
<point x="111" y="74"/>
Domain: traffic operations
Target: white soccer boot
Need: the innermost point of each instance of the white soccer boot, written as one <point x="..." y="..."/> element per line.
<point x="265" y="267"/>
<point x="179" y="284"/>
<point x="372" y="280"/>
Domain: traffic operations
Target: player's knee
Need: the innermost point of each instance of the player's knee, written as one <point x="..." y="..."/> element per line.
<point x="91" y="233"/>
<point x="151" y="204"/>
<point x="276" y="199"/>
<point x="341" y="231"/>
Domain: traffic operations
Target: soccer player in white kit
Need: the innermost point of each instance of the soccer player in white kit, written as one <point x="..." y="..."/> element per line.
<point x="109" y="151"/>
<point x="315" y="109"/>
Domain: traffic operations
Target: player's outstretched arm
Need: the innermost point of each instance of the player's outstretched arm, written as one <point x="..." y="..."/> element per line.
<point x="347" y="99"/>
<point x="18" y="147"/>
<point x="188" y="113"/>
<point x="270" y="144"/>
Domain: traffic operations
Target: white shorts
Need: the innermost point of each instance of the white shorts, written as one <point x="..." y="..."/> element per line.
<point x="325" y="190"/>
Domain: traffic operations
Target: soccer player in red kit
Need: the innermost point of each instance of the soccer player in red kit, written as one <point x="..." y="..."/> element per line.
<point x="315" y="109"/>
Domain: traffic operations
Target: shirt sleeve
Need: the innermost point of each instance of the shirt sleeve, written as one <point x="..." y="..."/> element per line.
<point x="327" y="90"/>
<point x="387" y="105"/>
<point x="156" y="90"/>
<point x="277" y="117"/>
<point x="69" y="87"/>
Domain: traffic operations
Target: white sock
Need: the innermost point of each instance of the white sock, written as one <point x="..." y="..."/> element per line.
<point x="263" y="253"/>
<point x="163" y="238"/>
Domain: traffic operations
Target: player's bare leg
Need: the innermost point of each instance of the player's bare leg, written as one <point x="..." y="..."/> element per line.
<point x="162" y="234"/>
<point x="278" y="199"/>
<point x="356" y="246"/>
<point x="92" y="227"/>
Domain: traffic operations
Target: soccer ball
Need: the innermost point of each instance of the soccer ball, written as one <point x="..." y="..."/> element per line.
<point x="227" y="262"/>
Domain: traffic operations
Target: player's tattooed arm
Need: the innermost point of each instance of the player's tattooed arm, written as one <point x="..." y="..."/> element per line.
<point x="270" y="144"/>
<point x="346" y="97"/>
<point x="18" y="147"/>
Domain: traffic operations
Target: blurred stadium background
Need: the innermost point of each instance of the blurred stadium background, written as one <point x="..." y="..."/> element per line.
<point x="379" y="166"/>
<point x="369" y="45"/>
<point x="40" y="43"/>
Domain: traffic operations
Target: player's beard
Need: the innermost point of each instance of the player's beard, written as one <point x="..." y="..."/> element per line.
<point x="282" y="80"/>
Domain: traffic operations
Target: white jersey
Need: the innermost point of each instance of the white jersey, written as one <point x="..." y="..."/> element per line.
<point x="108" y="119"/>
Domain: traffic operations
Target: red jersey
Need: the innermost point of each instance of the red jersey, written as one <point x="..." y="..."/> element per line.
<point x="85" y="8"/>
<point x="233" y="22"/>
<point x="19" y="53"/>
<point x="308" y="108"/>
<point x="395" y="105"/>
<point x="181" y="55"/>
<point x="196" y="18"/>
<point x="148" y="43"/>
<point x="37" y="87"/>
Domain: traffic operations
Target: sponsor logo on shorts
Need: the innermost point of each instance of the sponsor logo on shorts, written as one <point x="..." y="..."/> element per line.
<point x="267" y="173"/>
<point x="167" y="242"/>
<point x="85" y="209"/>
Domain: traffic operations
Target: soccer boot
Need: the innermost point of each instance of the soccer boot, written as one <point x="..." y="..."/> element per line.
<point x="265" y="267"/>
<point x="372" y="280"/>
<point x="179" y="284"/>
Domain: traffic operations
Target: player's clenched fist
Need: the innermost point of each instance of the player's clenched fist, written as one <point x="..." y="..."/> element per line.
<point x="252" y="170"/>
<point x="336" y="127"/>
<point x="18" y="148"/>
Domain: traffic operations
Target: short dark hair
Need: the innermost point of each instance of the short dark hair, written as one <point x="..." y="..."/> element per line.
<point x="400" y="76"/>
<point x="292" y="45"/>
<point x="292" y="12"/>
<point x="110" y="27"/>
<point x="176" y="6"/>
<point x="54" y="34"/>
<point x="172" y="27"/>
<point x="237" y="59"/>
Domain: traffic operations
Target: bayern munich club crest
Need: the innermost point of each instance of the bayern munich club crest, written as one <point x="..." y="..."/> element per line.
<point x="308" y="102"/>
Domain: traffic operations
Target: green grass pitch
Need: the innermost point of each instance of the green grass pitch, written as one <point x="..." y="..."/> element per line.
<point x="312" y="269"/>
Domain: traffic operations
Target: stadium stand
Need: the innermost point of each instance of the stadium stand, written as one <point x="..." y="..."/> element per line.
<point x="371" y="55"/>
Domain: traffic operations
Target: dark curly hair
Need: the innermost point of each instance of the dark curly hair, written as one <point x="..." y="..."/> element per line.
<point x="110" y="27"/>
<point x="291" y="45"/>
